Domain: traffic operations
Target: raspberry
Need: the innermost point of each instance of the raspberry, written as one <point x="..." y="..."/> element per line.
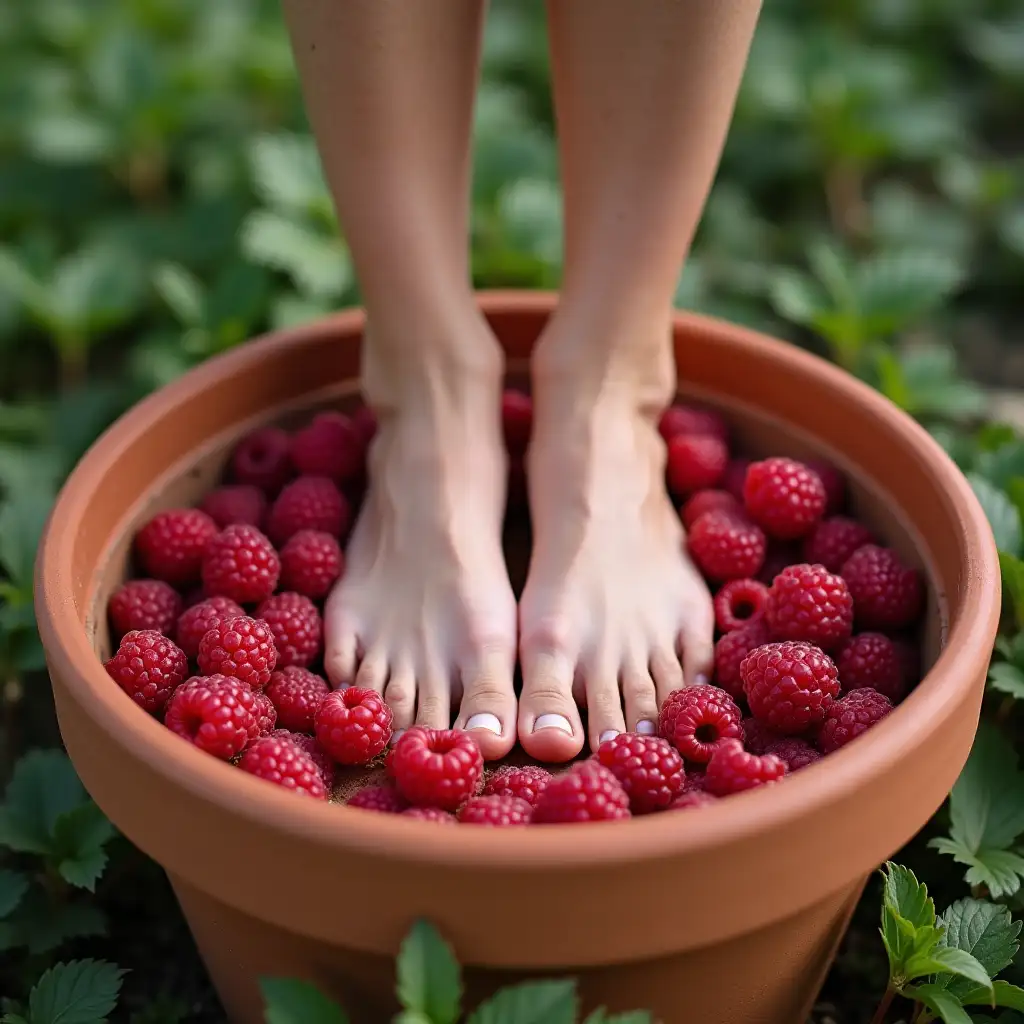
<point x="265" y="712"/>
<point x="833" y="540"/>
<point x="296" y="693"/>
<point x="784" y="496"/>
<point x="687" y="420"/>
<point x="429" y="814"/>
<point x="296" y="625"/>
<point x="353" y="725"/>
<point x="726" y="546"/>
<point x="789" y="686"/>
<point x="695" y="781"/>
<point x="242" y="648"/>
<point x="871" y="660"/>
<point x="197" y="621"/>
<point x="144" y="605"/>
<point x="236" y="503"/>
<point x="242" y="564"/>
<point x="732" y="770"/>
<point x="284" y="764"/>
<point x="796" y="753"/>
<point x="328" y="447"/>
<point x="887" y="594"/>
<point x="758" y="737"/>
<point x="527" y="782"/>
<point x="309" y="503"/>
<point x="384" y="799"/>
<point x="263" y="460"/>
<point x="731" y="649"/>
<point x="364" y="423"/>
<point x="309" y="745"/>
<point x="310" y="563"/>
<point x="735" y="476"/>
<point x="216" y="713"/>
<point x="807" y="602"/>
<point x="708" y="501"/>
<point x="496" y="811"/>
<point x="695" y="798"/>
<point x="697" y="718"/>
<point x="647" y="767"/>
<point x="695" y="462"/>
<point x="147" y="666"/>
<point x="436" y="767"/>
<point x="516" y="420"/>
<point x="586" y="792"/>
<point x="171" y="545"/>
<point x="833" y="482"/>
<point x="739" y="603"/>
<point x="851" y="716"/>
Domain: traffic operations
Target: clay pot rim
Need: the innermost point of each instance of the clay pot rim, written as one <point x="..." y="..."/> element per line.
<point x="533" y="849"/>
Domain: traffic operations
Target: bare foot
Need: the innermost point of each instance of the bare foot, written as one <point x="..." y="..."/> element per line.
<point x="425" y="613"/>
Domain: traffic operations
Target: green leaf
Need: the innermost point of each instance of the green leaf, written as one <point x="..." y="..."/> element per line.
<point x="1002" y="514"/>
<point x="21" y="285"/>
<point x="894" y="289"/>
<point x="22" y="517"/>
<point x="985" y="930"/>
<point x="286" y="169"/>
<point x="1003" y="994"/>
<point x="1012" y="571"/>
<point x="601" y="1016"/>
<point x="290" y="1001"/>
<point x="947" y="960"/>
<point x="429" y="981"/>
<point x="1006" y="678"/>
<point x="940" y="1002"/>
<point x="797" y="297"/>
<point x="906" y="896"/>
<point x="95" y="289"/>
<point x="1000" y="871"/>
<point x="533" y="1002"/>
<point x="43" y="787"/>
<point x="181" y="291"/>
<point x="79" y="992"/>
<point x="13" y="886"/>
<point x="78" y="839"/>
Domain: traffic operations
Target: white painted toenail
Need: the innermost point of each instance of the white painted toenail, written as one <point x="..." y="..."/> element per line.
<point x="646" y="728"/>
<point x="608" y="734"/>
<point x="552" y="722"/>
<point x="701" y="680"/>
<point x="396" y="736"/>
<point x="485" y="720"/>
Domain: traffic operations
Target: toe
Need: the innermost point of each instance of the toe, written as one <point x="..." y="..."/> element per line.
<point x="639" y="698"/>
<point x="341" y="651"/>
<point x="667" y="673"/>
<point x="433" y="704"/>
<point x="697" y="647"/>
<point x="373" y="670"/>
<point x="604" y="702"/>
<point x="549" y="721"/>
<point x="400" y="695"/>
<point x="488" y="708"/>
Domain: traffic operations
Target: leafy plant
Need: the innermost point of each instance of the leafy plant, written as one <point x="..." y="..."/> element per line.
<point x="79" y="992"/>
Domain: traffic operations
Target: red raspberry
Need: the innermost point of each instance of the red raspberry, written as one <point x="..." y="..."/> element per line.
<point x="887" y="594"/>
<point x="216" y="713"/>
<point x="708" y="501"/>
<point x="516" y="420"/>
<point x="731" y="649"/>
<point x="784" y="496"/>
<point x="726" y="547"/>
<point x="833" y="482"/>
<point x="311" y="562"/>
<point x="309" y="745"/>
<point x="871" y="660"/>
<point x="384" y="799"/>
<point x="283" y="763"/>
<point x="242" y="648"/>
<point x="735" y="477"/>
<point x="296" y="693"/>
<point x="687" y="419"/>
<point x="527" y="782"/>
<point x="796" y="753"/>
<point x="263" y="460"/>
<point x="807" y="602"/>
<point x="739" y="603"/>
<point x="171" y="545"/>
<point x="732" y="770"/>
<point x="696" y="719"/>
<point x="147" y="666"/>
<point x="495" y="811"/>
<point x="353" y="725"/>
<point x="265" y="712"/>
<point x="758" y="737"/>
<point x="789" y="686"/>
<point x="851" y="716"/>
<point x="329" y="447"/>
<point x="647" y="767"/>
<point x="309" y="503"/>
<point x="242" y="564"/>
<point x="436" y="767"/>
<point x="297" y="628"/>
<point x="144" y="604"/>
<point x="364" y="423"/>
<point x="695" y="781"/>
<point x="586" y="792"/>
<point x="197" y="621"/>
<point x="429" y="814"/>
<point x="695" y="462"/>
<point x="236" y="503"/>
<point x="695" y="798"/>
<point x="833" y="540"/>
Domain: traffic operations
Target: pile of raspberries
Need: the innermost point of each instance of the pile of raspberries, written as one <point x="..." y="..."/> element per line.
<point x="221" y="636"/>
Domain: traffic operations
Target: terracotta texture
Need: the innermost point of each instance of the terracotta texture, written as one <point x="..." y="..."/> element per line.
<point x="725" y="915"/>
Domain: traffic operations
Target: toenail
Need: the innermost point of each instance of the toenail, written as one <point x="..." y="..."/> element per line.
<point x="700" y="680"/>
<point x="646" y="727"/>
<point x="608" y="734"/>
<point x="485" y="720"/>
<point x="396" y="736"/>
<point x="552" y="722"/>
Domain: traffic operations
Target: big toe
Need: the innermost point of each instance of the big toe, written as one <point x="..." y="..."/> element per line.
<point x="488" y="708"/>
<point x="550" y="728"/>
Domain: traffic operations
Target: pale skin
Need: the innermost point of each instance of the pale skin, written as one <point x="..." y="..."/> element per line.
<point x="614" y="615"/>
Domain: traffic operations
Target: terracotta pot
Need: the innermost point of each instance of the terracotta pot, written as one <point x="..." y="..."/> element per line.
<point x="727" y="915"/>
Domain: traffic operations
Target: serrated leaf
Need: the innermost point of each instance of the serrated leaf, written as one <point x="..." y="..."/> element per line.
<point x="1006" y="678"/>
<point x="42" y="788"/>
<point x="1003" y="994"/>
<point x="985" y="930"/>
<point x="428" y="977"/>
<point x="181" y="291"/>
<point x="1002" y="514"/>
<point x="946" y="959"/>
<point x="1000" y="871"/>
<point x="894" y="289"/>
<point x="533" y="1002"/>
<point x="13" y="886"/>
<point x="906" y="896"/>
<point x="290" y="1001"/>
<point x="79" y="992"/>
<point x="941" y="1002"/>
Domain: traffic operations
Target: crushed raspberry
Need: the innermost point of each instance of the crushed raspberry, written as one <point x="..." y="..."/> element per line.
<point x="310" y="746"/>
<point x="758" y="737"/>
<point x="148" y="667"/>
<point x="436" y="767"/>
<point x="383" y="799"/>
<point x="241" y="563"/>
<point x="309" y="503"/>
<point x="647" y="767"/>
<point x="328" y="447"/>
<point x="297" y="628"/>
<point x="731" y="649"/>
<point x="833" y="482"/>
<point x="353" y="725"/>
<point x="695" y="462"/>
<point x="872" y="660"/>
<point x="732" y="770"/>
<point x="833" y="540"/>
<point x="170" y="547"/>
<point x="796" y="753"/>
<point x="735" y="477"/>
<point x="851" y="716"/>
<point x="784" y="497"/>
<point x="586" y="792"/>
<point x="242" y="648"/>
<point x="516" y="420"/>
<point x="197" y="621"/>
<point x="311" y="562"/>
<point x="429" y="814"/>
<point x="726" y="546"/>
<point x="789" y="686"/>
<point x="526" y="782"/>
<point x="265" y="712"/>
<point x="144" y="605"/>
<point x="687" y="419"/>
<point x="285" y="765"/>
<point x="807" y="602"/>
<point x="216" y="713"/>
<point x="696" y="719"/>
<point x="236" y="503"/>
<point x="496" y="811"/>
<point x="708" y="501"/>
<point x="887" y="594"/>
<point x="262" y="459"/>
<point x="739" y="603"/>
<point x="296" y="693"/>
<point x="695" y="798"/>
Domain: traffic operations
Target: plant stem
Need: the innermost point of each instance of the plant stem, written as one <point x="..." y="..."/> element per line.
<point x="883" y="1006"/>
